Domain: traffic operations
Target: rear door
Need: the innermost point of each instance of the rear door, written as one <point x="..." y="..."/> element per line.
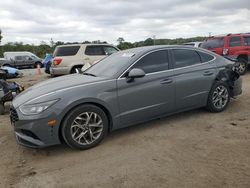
<point x="194" y="73"/>
<point x="150" y="96"/>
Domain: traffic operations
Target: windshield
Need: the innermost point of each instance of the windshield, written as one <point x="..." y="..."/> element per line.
<point x="111" y="65"/>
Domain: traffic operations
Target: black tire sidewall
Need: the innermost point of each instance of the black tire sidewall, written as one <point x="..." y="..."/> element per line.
<point x="2" y="109"/>
<point x="66" y="133"/>
<point x="210" y="105"/>
<point x="242" y="60"/>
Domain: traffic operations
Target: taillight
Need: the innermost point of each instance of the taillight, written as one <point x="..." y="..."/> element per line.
<point x="57" y="61"/>
<point x="225" y="51"/>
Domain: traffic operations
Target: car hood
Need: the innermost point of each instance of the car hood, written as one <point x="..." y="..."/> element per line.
<point x="53" y="85"/>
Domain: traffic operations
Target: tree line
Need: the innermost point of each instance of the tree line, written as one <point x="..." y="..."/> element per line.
<point x="43" y="48"/>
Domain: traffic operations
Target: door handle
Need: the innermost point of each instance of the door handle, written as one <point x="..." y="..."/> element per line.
<point x="167" y="81"/>
<point x="208" y="73"/>
<point x="86" y="59"/>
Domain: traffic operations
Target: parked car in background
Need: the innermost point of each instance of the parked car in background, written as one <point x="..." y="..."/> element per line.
<point x="235" y="46"/>
<point x="71" y="58"/>
<point x="21" y="60"/>
<point x="194" y="44"/>
<point x="126" y="88"/>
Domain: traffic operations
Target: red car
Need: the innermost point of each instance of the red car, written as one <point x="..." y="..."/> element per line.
<point x="236" y="46"/>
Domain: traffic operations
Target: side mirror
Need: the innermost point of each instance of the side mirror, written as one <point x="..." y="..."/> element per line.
<point x="135" y="73"/>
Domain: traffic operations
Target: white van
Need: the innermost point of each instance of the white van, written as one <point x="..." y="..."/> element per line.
<point x="12" y="55"/>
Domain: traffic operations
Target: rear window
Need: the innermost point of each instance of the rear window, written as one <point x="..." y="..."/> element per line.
<point x="247" y="41"/>
<point x="66" y="51"/>
<point x="213" y="43"/>
<point x="205" y="57"/>
<point x="184" y="58"/>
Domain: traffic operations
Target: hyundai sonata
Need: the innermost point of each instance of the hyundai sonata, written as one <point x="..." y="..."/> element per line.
<point x="126" y="88"/>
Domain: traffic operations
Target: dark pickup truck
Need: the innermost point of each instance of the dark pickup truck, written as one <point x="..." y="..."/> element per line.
<point x="22" y="61"/>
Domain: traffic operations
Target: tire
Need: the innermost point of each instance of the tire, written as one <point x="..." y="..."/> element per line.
<point x="38" y="63"/>
<point x="243" y="65"/>
<point x="76" y="70"/>
<point x="2" y="109"/>
<point x="222" y="98"/>
<point x="77" y="134"/>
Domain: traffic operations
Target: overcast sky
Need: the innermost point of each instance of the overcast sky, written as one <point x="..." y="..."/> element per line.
<point x="33" y="21"/>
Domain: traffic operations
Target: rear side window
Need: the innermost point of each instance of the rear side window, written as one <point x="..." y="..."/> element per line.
<point x="247" y="41"/>
<point x="213" y="43"/>
<point x="66" y="51"/>
<point x="94" y="50"/>
<point x="18" y="58"/>
<point x="205" y="57"/>
<point x="153" y="62"/>
<point x="235" y="41"/>
<point x="184" y="58"/>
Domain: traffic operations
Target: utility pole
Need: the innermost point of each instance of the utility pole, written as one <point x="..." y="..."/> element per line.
<point x="154" y="39"/>
<point x="0" y="36"/>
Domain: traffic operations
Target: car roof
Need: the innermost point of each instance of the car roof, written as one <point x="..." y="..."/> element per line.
<point x="230" y="34"/>
<point x="87" y="44"/>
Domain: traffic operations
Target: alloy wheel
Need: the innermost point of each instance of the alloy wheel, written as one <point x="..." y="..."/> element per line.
<point x="220" y="97"/>
<point x="86" y="128"/>
<point x="242" y="67"/>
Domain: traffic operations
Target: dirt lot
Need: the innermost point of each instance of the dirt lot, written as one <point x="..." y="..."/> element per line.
<point x="192" y="149"/>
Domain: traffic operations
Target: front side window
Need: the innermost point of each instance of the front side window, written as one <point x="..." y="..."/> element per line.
<point x="185" y="57"/>
<point x="213" y="43"/>
<point x="94" y="50"/>
<point x="153" y="62"/>
<point x="235" y="41"/>
<point x="109" y="50"/>
<point x="247" y="41"/>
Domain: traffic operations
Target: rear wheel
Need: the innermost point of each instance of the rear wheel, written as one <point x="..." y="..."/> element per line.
<point x="76" y="69"/>
<point x="219" y="97"/>
<point x="85" y="127"/>
<point x="243" y="65"/>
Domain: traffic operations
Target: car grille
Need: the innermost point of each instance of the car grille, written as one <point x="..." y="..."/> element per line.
<point x="13" y="115"/>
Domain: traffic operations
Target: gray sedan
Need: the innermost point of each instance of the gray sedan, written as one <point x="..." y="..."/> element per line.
<point x="126" y="88"/>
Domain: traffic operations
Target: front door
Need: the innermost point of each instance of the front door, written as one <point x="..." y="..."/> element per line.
<point x="150" y="96"/>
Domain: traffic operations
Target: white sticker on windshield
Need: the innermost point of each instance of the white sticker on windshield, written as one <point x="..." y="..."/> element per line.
<point x="128" y="55"/>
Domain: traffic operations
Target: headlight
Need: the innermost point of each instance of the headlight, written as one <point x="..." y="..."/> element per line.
<point x="32" y="109"/>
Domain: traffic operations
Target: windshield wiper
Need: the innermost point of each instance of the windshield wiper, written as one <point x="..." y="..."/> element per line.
<point x="89" y="74"/>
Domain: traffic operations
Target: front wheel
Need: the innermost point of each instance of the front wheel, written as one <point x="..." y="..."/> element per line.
<point x="85" y="127"/>
<point x="219" y="97"/>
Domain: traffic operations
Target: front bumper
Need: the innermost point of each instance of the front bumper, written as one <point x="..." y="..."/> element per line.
<point x="34" y="132"/>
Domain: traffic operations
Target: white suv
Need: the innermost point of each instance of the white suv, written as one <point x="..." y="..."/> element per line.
<point x="71" y="58"/>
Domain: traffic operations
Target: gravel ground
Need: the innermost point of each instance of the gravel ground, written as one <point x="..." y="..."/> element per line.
<point x="191" y="149"/>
